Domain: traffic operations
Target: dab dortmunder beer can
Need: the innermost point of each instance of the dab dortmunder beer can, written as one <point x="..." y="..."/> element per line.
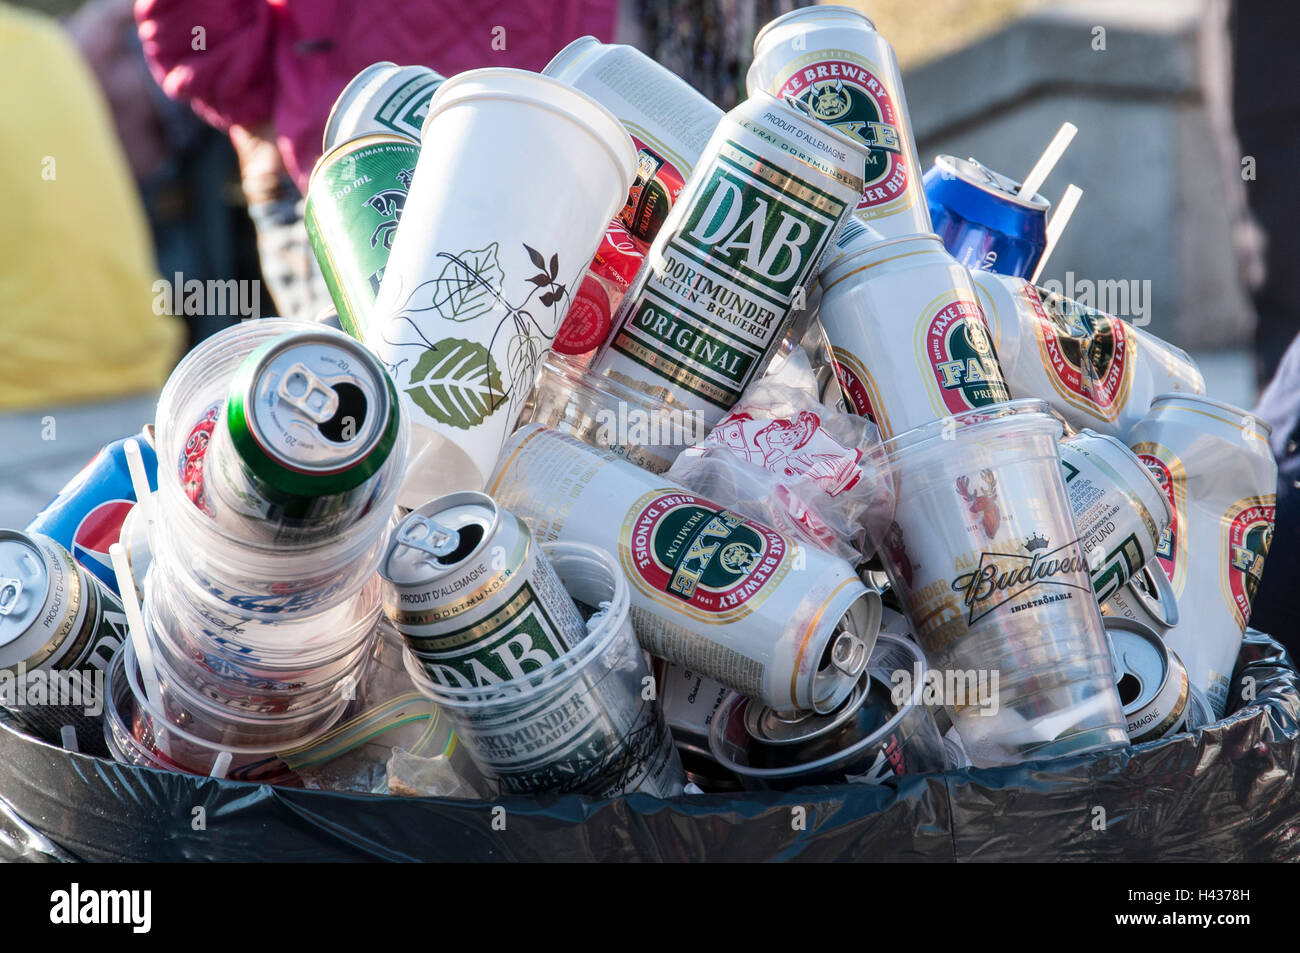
<point x="1119" y="509"/>
<point x="907" y="338"/>
<point x="475" y="599"/>
<point x="383" y="98"/>
<point x="733" y="261"/>
<point x="669" y="121"/>
<point x="1214" y="463"/>
<point x="299" y="451"/>
<point x="354" y="203"/>
<point x="832" y="60"/>
<point x="1098" y="371"/>
<point x="726" y="597"/>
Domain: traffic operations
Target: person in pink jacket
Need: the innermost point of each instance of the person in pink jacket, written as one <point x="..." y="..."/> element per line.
<point x="268" y="72"/>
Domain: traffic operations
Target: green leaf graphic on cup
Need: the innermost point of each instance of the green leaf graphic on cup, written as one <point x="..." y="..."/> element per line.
<point x="457" y="383"/>
<point x="467" y="286"/>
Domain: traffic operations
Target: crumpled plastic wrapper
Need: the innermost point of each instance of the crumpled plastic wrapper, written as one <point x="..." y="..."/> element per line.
<point x="413" y="775"/>
<point x="786" y="460"/>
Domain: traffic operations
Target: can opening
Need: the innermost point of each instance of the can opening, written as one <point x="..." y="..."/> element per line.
<point x="349" y="415"/>
<point x="467" y="539"/>
<point x="1130" y="689"/>
<point x="10" y="590"/>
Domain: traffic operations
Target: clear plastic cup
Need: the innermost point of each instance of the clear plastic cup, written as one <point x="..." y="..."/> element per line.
<point x="581" y="723"/>
<point x="258" y="577"/>
<point x="984" y="554"/>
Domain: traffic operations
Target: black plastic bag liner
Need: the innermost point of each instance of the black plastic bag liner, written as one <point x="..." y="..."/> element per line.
<point x="1225" y="792"/>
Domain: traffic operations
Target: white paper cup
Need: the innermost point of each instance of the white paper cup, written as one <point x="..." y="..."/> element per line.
<point x="985" y="556"/>
<point x="518" y="178"/>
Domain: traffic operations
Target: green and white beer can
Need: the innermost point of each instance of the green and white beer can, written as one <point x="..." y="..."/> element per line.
<point x="354" y="203"/>
<point x="302" y="446"/>
<point x="382" y="98"/>
<point x="472" y="594"/>
<point x="832" y="60"/>
<point x="734" y="259"/>
<point x="724" y="596"/>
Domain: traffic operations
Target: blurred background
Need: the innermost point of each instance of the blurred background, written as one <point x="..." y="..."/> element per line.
<point x="1188" y="112"/>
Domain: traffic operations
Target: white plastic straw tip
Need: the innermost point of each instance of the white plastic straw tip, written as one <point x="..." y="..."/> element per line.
<point x="221" y="765"/>
<point x="139" y="478"/>
<point x="68" y="735"/>
<point x="1047" y="161"/>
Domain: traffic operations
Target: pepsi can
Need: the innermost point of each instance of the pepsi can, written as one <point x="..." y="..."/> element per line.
<point x="87" y="516"/>
<point x="984" y="221"/>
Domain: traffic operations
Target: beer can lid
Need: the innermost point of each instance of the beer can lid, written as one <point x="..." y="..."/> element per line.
<point x="436" y="538"/>
<point x="819" y="13"/>
<point x="24" y="584"/>
<point x="1152" y="682"/>
<point x="846" y="653"/>
<point x="349" y="95"/>
<point x="1155" y="593"/>
<point x="767" y="725"/>
<point x="313" y="413"/>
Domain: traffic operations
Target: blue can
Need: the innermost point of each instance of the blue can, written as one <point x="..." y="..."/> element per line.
<point x="87" y="515"/>
<point x="983" y="221"/>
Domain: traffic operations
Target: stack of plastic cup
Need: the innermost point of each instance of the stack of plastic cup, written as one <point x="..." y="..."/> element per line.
<point x="984" y="553"/>
<point x="257" y="646"/>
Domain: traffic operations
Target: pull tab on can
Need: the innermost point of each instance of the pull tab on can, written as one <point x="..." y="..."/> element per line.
<point x="849" y="654"/>
<point x="10" y="590"/>
<point x="431" y="538"/>
<point x="300" y="388"/>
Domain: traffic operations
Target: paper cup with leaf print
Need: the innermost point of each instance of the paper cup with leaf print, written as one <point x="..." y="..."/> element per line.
<point x="518" y="178"/>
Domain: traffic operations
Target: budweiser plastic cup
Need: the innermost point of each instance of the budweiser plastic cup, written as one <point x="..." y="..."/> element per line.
<point x="383" y="97"/>
<point x="984" y="554"/>
<point x="1214" y="463"/>
<point x="1120" y="510"/>
<point x="669" y="121"/>
<point x="488" y="258"/>
<point x="724" y="596"/>
<point x="1097" y="370"/>
<point x="833" y="60"/>
<point x="907" y="338"/>
<point x="733" y="261"/>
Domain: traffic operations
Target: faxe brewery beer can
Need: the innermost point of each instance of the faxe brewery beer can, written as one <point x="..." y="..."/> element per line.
<point x="355" y="199"/>
<point x="59" y="628"/>
<point x="983" y="220"/>
<point x="91" y="511"/>
<point x="382" y="98"/>
<point x="473" y="596"/>
<point x="1098" y="371"/>
<point x="1119" y="509"/>
<point x="734" y="259"/>
<point x="724" y="596"/>
<point x="1147" y="598"/>
<point x="1214" y="463"/>
<point x="832" y="60"/>
<point x="298" y="452"/>
<point x="670" y="122"/>
<point x="1151" y="681"/>
<point x="881" y="730"/>
<point x="907" y="337"/>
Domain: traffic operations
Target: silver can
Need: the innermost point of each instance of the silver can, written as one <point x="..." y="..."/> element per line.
<point x="733" y="261"/>
<point x="383" y="97"/>
<point x="1214" y="463"/>
<point x="1151" y="681"/>
<point x="719" y="594"/>
<point x="833" y="61"/>
<point x="877" y="732"/>
<point x="669" y="121"/>
<point x="474" y="598"/>
<point x="1148" y="597"/>
<point x="1119" y="509"/>
<point x="909" y="342"/>
<point x="1098" y="371"/>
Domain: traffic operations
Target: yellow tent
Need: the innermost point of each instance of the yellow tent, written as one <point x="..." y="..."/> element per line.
<point x="77" y="317"/>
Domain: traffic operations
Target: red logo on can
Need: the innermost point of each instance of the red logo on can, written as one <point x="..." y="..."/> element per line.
<point x="1250" y="534"/>
<point x="1085" y="350"/>
<point x="962" y="357"/>
<point x="852" y="100"/>
<point x="192" y="458"/>
<point x="1167" y="548"/>
<point x="852" y="386"/>
<point x="700" y="553"/>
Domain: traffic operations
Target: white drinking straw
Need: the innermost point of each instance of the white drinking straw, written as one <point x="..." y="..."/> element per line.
<point x="1047" y="161"/>
<point x="221" y="765"/>
<point x="139" y="480"/>
<point x="1060" y="218"/>
<point x="139" y="638"/>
